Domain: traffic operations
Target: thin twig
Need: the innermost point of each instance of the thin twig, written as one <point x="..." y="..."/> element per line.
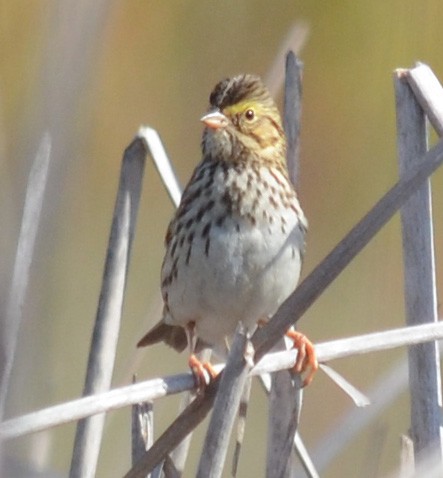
<point x="304" y="458"/>
<point x="142" y="429"/>
<point x="358" y="397"/>
<point x="164" y="166"/>
<point x="379" y="341"/>
<point x="428" y="92"/>
<point x="180" y="454"/>
<point x="299" y="447"/>
<point x="292" y="114"/>
<point x="107" y="323"/>
<point x="241" y="425"/>
<point x="160" y="387"/>
<point x="182" y="426"/>
<point x="25" y="250"/>
<point x="226" y="404"/>
<point x="284" y="417"/>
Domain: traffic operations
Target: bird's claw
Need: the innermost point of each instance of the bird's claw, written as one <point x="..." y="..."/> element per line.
<point x="306" y="361"/>
<point x="203" y="372"/>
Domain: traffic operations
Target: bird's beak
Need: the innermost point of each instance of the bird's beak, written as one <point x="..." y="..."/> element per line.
<point x="214" y="120"/>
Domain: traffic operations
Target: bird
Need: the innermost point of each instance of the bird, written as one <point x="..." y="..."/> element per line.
<point x="235" y="245"/>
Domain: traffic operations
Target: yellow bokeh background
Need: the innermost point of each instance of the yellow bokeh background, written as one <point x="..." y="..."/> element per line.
<point x="91" y="73"/>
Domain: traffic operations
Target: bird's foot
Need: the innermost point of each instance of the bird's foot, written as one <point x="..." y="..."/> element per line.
<point x="306" y="361"/>
<point x="203" y="372"/>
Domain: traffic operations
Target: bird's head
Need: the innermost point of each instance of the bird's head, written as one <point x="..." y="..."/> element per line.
<point x="242" y="117"/>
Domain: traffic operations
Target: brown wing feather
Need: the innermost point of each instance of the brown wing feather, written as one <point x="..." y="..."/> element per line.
<point x="172" y="335"/>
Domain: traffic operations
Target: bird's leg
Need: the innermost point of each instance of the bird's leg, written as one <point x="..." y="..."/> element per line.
<point x="203" y="372"/>
<point x="306" y="357"/>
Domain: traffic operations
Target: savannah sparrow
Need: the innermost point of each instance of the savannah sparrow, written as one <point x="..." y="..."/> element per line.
<point x="235" y="245"/>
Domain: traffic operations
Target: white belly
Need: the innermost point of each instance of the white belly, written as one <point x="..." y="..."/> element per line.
<point x="245" y="277"/>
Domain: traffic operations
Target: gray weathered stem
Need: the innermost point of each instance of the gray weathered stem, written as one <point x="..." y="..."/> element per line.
<point x="95" y="404"/>
<point x="160" y="387"/>
<point x="162" y="163"/>
<point x="107" y="323"/>
<point x="241" y="425"/>
<point x="142" y="429"/>
<point x="283" y="422"/>
<point x="180" y="454"/>
<point x="166" y="172"/>
<point x="226" y="406"/>
<point x="292" y="114"/>
<point x="429" y="94"/>
<point x="299" y="448"/>
<point x="419" y="266"/>
<point x="281" y="429"/>
<point x="173" y="436"/>
<point x="25" y="250"/>
<point x="304" y="458"/>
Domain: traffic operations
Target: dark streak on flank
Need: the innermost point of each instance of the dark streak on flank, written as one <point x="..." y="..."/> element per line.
<point x="174" y="270"/>
<point x="166" y="281"/>
<point x="209" y="182"/>
<point x="227" y="201"/>
<point x="173" y="248"/>
<point x="177" y="230"/>
<point x="220" y="220"/>
<point x="206" y="229"/>
<point x="188" y="255"/>
<point x="205" y="208"/>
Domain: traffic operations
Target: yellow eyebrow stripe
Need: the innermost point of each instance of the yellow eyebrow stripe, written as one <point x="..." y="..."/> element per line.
<point x="240" y="107"/>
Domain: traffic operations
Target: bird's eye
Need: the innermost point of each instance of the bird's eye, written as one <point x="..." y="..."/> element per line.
<point x="249" y="114"/>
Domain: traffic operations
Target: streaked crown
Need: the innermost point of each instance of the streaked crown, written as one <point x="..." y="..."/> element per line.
<point x="235" y="90"/>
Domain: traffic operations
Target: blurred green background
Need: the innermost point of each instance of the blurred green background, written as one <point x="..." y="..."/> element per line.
<point x="91" y="73"/>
